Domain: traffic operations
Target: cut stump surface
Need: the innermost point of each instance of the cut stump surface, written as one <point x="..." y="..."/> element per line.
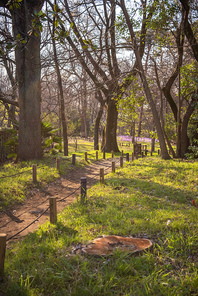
<point x="106" y="245"/>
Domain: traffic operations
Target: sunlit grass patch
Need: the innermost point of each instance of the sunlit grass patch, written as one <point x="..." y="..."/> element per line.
<point x="141" y="200"/>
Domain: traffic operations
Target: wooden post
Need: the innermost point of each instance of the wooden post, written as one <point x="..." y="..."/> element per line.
<point x="127" y="156"/>
<point x="132" y="156"/>
<point x="113" y="166"/>
<point x="58" y="164"/>
<point x="34" y="173"/>
<point x="74" y="159"/>
<point x="103" y="154"/>
<point x="142" y="154"/>
<point x="121" y="161"/>
<point x="101" y="175"/>
<point x="2" y="251"/>
<point x="112" y="154"/>
<point x="53" y="210"/>
<point x="85" y="156"/>
<point x="122" y="153"/>
<point x="146" y="152"/>
<point x="96" y="155"/>
<point x="83" y="189"/>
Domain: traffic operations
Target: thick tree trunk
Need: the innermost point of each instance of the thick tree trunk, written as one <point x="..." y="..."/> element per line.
<point x="96" y="127"/>
<point x="184" y="137"/>
<point x="111" y="127"/>
<point x="28" y="70"/>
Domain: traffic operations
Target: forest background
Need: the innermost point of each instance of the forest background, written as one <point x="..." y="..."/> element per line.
<point x="98" y="68"/>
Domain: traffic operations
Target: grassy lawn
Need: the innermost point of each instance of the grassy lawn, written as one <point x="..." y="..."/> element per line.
<point x="16" y="178"/>
<point x="157" y="195"/>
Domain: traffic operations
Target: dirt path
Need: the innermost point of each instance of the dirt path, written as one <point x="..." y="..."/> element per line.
<point x="19" y="217"/>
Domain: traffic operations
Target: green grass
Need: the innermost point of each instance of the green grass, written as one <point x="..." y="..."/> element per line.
<point x="16" y="179"/>
<point x="157" y="195"/>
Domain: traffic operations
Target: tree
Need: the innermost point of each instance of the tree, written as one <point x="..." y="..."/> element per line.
<point x="164" y="152"/>
<point x="26" y="23"/>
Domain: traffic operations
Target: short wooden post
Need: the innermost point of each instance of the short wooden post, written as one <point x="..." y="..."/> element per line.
<point x="103" y="154"/>
<point x="113" y="166"/>
<point x="132" y="156"/>
<point x="122" y="153"/>
<point x="101" y="175"/>
<point x="83" y="189"/>
<point x="34" y="173"/>
<point x="127" y="156"/>
<point x="53" y="210"/>
<point x="112" y="155"/>
<point x="74" y="159"/>
<point x="58" y="164"/>
<point x="146" y="152"/>
<point x="85" y="156"/>
<point x="96" y="155"/>
<point x="2" y="251"/>
<point x="121" y="161"/>
<point x="142" y="154"/>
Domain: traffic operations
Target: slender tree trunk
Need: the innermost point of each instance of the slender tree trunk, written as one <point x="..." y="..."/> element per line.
<point x="28" y="69"/>
<point x="96" y="127"/>
<point x="140" y="121"/>
<point x="62" y="101"/>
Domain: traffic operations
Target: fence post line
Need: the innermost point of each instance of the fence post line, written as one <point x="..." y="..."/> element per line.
<point x="53" y="210"/>
<point x="74" y="159"/>
<point x="112" y="154"/>
<point x="127" y="156"/>
<point x="58" y="164"/>
<point x="101" y="175"/>
<point x="2" y="251"/>
<point x="103" y="154"/>
<point x="85" y="156"/>
<point x="113" y="166"/>
<point x="121" y="161"/>
<point x="96" y="155"/>
<point x="83" y="181"/>
<point x="34" y="173"/>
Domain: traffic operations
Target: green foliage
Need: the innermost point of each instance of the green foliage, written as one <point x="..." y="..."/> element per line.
<point x="49" y="137"/>
<point x="157" y="195"/>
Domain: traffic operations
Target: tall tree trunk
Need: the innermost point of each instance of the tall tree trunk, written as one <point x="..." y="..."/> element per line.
<point x="140" y="121"/>
<point x="184" y="137"/>
<point x="62" y="101"/>
<point x="28" y="69"/>
<point x="96" y="127"/>
<point x="111" y="127"/>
